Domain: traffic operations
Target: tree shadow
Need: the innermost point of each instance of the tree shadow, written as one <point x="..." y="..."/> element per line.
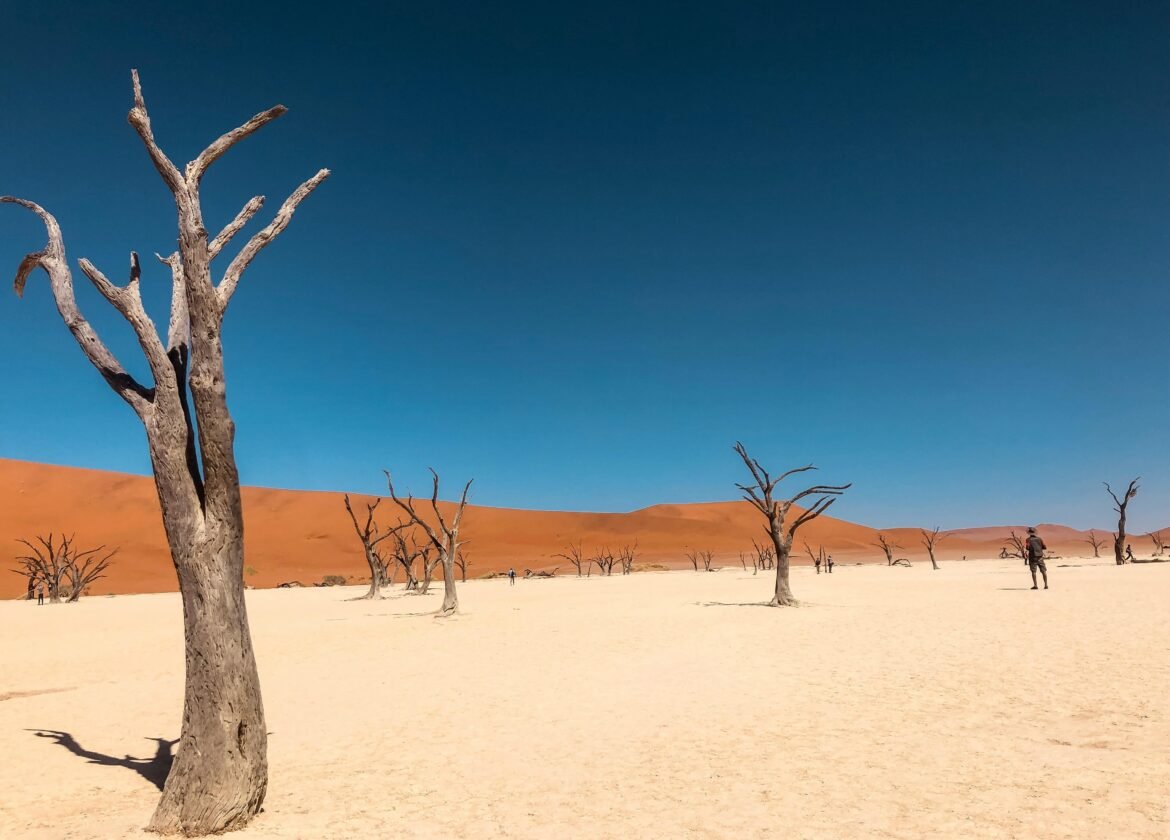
<point x="1015" y="589"/>
<point x="730" y="604"/>
<point x="154" y="769"/>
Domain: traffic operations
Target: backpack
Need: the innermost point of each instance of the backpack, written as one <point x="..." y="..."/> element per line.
<point x="1035" y="547"/>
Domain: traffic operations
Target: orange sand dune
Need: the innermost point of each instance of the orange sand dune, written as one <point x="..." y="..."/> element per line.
<point x="297" y="535"/>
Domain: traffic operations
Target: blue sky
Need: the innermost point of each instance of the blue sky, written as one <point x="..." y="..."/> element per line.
<point x="577" y="252"/>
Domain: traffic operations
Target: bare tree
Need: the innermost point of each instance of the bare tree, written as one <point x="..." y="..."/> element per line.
<point x="743" y="561"/>
<point x="406" y="552"/>
<point x="887" y="548"/>
<point x="427" y="564"/>
<point x="930" y="539"/>
<point x="1015" y="546"/>
<point x="445" y="540"/>
<point x="626" y="556"/>
<point x="220" y="773"/>
<point x="575" y="555"/>
<point x="708" y="558"/>
<point x="605" y="561"/>
<point x="370" y="538"/>
<point x="84" y="568"/>
<point x="1158" y="541"/>
<point x="760" y="495"/>
<point x="693" y="556"/>
<point x="1120" y="506"/>
<point x="819" y="557"/>
<point x="1096" y="542"/>
<point x="765" y="556"/>
<point x="462" y="562"/>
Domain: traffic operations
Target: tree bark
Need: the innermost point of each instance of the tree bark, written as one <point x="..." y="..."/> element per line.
<point x="783" y="596"/>
<point x="450" y="596"/>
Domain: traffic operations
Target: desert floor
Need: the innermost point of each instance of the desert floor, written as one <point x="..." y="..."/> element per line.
<point x="896" y="703"/>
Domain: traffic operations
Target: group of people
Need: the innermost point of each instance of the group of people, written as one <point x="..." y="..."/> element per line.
<point x="828" y="564"/>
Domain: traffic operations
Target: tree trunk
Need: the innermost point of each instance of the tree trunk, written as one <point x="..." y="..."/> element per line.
<point x="375" y="575"/>
<point x="450" y="596"/>
<point x="1119" y="540"/>
<point x="783" y="596"/>
<point x="933" y="564"/>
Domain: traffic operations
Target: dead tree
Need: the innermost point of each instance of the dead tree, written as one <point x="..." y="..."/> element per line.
<point x="1158" y="541"/>
<point x="406" y="552"/>
<point x="743" y="561"/>
<point x="819" y="557"/>
<point x="605" y="561"/>
<point x="445" y="540"/>
<point x="84" y="568"/>
<point x="220" y="773"/>
<point x="693" y="556"/>
<point x="708" y="558"/>
<point x="370" y="538"/>
<point x="765" y="557"/>
<point x="1015" y="546"/>
<point x="1096" y="542"/>
<point x="626" y="556"/>
<point x="427" y="564"/>
<point x="760" y="495"/>
<point x="575" y="555"/>
<point x="930" y="539"/>
<point x="462" y="562"/>
<point x="887" y="548"/>
<point x="1120" y="506"/>
<point x="46" y="563"/>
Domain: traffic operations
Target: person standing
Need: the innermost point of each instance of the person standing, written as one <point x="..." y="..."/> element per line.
<point x="829" y="563"/>
<point x="511" y="577"/>
<point x="817" y="563"/>
<point x="40" y="594"/>
<point x="1035" y="548"/>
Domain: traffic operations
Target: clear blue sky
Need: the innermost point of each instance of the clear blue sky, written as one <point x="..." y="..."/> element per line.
<point x="577" y="252"/>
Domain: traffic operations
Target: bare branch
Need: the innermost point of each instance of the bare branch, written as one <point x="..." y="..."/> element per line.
<point x="198" y="167"/>
<point x="256" y="244"/>
<point x="52" y="260"/>
<point x="140" y="119"/>
<point x="234" y="226"/>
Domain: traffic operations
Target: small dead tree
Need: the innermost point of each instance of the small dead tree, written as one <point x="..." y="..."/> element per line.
<point x="1015" y="546"/>
<point x="708" y="558"/>
<point x="462" y="562"/>
<point x="428" y="560"/>
<point x="219" y="777"/>
<point x="887" y="548"/>
<point x="626" y="556"/>
<point x="84" y="568"/>
<point x="605" y="561"/>
<point x="370" y="538"/>
<point x="406" y="551"/>
<point x="575" y="555"/>
<point x="1096" y="542"/>
<point x="930" y="539"/>
<point x="1120" y="505"/>
<point x="1158" y="541"/>
<point x="743" y="561"/>
<point x="761" y="495"/>
<point x="764" y="557"/>
<point x="693" y="556"/>
<point x="444" y="540"/>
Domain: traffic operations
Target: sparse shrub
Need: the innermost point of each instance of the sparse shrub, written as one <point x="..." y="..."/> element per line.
<point x="333" y="580"/>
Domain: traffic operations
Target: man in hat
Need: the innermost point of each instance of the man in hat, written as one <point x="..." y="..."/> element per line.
<point x="1035" y="548"/>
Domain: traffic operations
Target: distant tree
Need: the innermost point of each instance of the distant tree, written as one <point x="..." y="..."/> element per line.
<point x="65" y="570"/>
<point x="1096" y="542"/>
<point x="444" y="538"/>
<point x="1158" y="541"/>
<point x="764" y="557"/>
<point x="760" y="493"/>
<point x="1015" y="546"/>
<point x="693" y="556"/>
<point x="887" y="548"/>
<point x="1120" y="505"/>
<point x="575" y="555"/>
<point x="708" y="558"/>
<point x="84" y="568"/>
<point x="817" y="557"/>
<point x="370" y="538"/>
<point x="605" y="561"/>
<point x="406" y="550"/>
<point x="462" y="562"/>
<point x="930" y="539"/>
<point x="743" y="561"/>
<point x="626" y="557"/>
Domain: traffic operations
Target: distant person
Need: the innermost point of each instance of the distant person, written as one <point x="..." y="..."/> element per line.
<point x="817" y="563"/>
<point x="511" y="577"/>
<point x="1036" y="548"/>
<point x="829" y="564"/>
<point x="40" y="594"/>
<point x="1129" y="553"/>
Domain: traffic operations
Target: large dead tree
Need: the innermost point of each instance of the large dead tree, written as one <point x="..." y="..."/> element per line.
<point x="1158" y="541"/>
<point x="220" y="773"/>
<point x="1120" y="505"/>
<point x="761" y="494"/>
<point x="444" y="538"/>
<point x="575" y="555"/>
<point x="406" y="551"/>
<point x="930" y="539"/>
<point x="63" y="569"/>
<point x="370" y="537"/>
<point x="887" y="548"/>
<point x="1015" y="546"/>
<point x="1096" y="542"/>
<point x="85" y="568"/>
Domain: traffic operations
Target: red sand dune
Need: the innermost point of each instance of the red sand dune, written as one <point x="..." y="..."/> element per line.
<point x="297" y="535"/>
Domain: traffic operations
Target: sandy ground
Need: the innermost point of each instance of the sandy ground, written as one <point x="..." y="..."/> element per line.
<point x="897" y="703"/>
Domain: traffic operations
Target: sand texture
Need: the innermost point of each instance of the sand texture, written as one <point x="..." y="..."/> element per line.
<point x="898" y="703"/>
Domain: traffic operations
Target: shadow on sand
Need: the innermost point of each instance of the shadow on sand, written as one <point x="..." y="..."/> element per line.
<point x="730" y="604"/>
<point x="154" y="769"/>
